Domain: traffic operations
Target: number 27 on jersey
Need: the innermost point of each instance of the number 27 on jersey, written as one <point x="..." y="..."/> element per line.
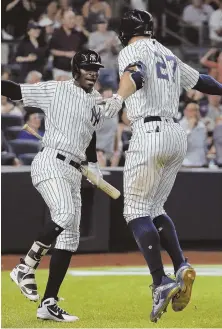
<point x="161" y="66"/>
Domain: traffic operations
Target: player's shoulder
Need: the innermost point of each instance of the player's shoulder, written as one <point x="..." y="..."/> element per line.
<point x="163" y="49"/>
<point x="44" y="84"/>
<point x="135" y="48"/>
<point x="95" y="93"/>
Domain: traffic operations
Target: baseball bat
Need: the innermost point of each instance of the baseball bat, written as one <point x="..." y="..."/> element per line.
<point x="102" y="184"/>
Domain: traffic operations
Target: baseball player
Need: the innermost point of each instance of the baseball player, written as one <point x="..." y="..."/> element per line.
<point x="71" y="118"/>
<point x="151" y="77"/>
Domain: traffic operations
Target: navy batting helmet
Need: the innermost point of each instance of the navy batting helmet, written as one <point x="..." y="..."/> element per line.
<point x="85" y="59"/>
<point x="135" y="23"/>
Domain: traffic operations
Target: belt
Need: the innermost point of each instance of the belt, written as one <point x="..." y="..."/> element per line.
<point x="156" y="118"/>
<point x="62" y="157"/>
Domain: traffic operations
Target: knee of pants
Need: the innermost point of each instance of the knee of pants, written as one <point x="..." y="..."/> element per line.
<point x="156" y="211"/>
<point x="68" y="240"/>
<point x="64" y="220"/>
<point x="135" y="209"/>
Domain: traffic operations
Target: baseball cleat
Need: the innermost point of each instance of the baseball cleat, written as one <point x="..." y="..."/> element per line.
<point x="24" y="277"/>
<point x="49" y="310"/>
<point x="162" y="295"/>
<point x="185" y="277"/>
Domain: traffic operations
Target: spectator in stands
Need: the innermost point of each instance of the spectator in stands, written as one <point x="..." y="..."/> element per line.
<point x="47" y="28"/>
<point x="196" y="137"/>
<point x="107" y="139"/>
<point x="16" y="15"/>
<point x="107" y="44"/>
<point x="138" y="4"/>
<point x="215" y="25"/>
<point x="8" y="158"/>
<point x="65" y="42"/>
<point x="33" y="77"/>
<point x="213" y="61"/>
<point x="95" y="10"/>
<point x="215" y="4"/>
<point x="217" y="138"/>
<point x="65" y="5"/>
<point x="214" y="107"/>
<point x="6" y="74"/>
<point x="9" y="108"/>
<point x="196" y="14"/>
<point x="80" y="27"/>
<point x="33" y="120"/>
<point x="50" y="15"/>
<point x="30" y="54"/>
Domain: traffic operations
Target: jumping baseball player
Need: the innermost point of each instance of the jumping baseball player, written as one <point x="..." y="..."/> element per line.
<point x="71" y="118"/>
<point x="151" y="77"/>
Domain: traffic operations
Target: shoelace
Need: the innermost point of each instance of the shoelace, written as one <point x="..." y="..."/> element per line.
<point x="57" y="308"/>
<point x="154" y="292"/>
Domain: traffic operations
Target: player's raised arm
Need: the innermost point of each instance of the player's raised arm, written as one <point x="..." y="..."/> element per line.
<point x="37" y="95"/>
<point x="192" y="79"/>
<point x="132" y="78"/>
<point x="208" y="85"/>
<point x="11" y="90"/>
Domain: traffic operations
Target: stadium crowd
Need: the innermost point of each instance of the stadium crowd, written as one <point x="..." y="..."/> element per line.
<point x="39" y="40"/>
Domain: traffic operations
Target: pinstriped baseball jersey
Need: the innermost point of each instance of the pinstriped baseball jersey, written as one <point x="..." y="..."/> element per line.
<point x="71" y="114"/>
<point x="158" y="145"/>
<point x="165" y="75"/>
<point x="71" y="117"/>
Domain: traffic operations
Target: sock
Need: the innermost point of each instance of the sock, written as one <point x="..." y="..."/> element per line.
<point x="148" y="240"/>
<point x="169" y="239"/>
<point x="35" y="254"/>
<point x="59" y="264"/>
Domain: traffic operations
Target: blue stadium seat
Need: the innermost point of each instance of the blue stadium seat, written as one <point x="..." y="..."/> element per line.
<point x="20" y="146"/>
<point x="9" y="120"/>
<point x="27" y="158"/>
<point x="12" y="132"/>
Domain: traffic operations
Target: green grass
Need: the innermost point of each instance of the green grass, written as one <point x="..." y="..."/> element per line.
<point x="113" y="302"/>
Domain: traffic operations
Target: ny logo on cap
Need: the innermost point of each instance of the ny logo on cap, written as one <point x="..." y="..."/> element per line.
<point x="92" y="58"/>
<point x="84" y="57"/>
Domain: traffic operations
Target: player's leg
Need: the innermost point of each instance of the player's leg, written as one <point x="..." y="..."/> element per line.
<point x="66" y="243"/>
<point x="142" y="175"/>
<point x="185" y="274"/>
<point x="57" y="194"/>
<point x="165" y="226"/>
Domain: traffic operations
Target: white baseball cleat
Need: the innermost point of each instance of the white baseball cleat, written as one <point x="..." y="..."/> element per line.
<point x="49" y="310"/>
<point x="24" y="277"/>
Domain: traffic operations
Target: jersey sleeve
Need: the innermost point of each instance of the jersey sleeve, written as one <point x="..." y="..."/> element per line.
<point x="130" y="55"/>
<point x="188" y="75"/>
<point x="38" y="94"/>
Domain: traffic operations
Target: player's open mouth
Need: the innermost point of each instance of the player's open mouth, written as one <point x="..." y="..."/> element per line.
<point x="91" y="80"/>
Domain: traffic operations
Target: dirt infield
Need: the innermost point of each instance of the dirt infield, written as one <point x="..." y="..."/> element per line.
<point x="118" y="259"/>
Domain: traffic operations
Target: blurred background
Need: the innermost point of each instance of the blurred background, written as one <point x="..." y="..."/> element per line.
<point x="39" y="38"/>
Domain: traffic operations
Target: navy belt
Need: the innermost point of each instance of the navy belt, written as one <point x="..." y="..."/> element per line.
<point x="156" y="118"/>
<point x="62" y="157"/>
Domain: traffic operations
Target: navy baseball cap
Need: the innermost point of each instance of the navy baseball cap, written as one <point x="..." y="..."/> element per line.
<point x="33" y="25"/>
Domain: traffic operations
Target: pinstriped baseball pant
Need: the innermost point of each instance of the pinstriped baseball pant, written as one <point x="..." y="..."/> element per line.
<point x="155" y="155"/>
<point x="64" y="202"/>
<point x="59" y="184"/>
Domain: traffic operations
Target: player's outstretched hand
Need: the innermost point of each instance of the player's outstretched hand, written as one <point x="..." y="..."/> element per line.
<point x="113" y="106"/>
<point x="94" y="168"/>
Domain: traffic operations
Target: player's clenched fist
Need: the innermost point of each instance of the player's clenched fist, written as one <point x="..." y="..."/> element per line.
<point x="113" y="105"/>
